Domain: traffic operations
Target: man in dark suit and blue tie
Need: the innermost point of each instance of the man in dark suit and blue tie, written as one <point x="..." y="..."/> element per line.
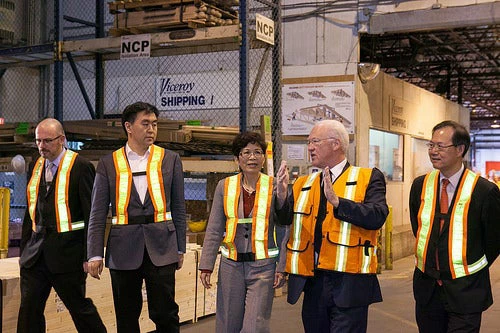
<point x="335" y="218"/>
<point x="145" y="185"/>
<point x="53" y="234"/>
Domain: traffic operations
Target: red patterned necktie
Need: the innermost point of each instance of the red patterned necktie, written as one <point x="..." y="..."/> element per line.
<point x="443" y="208"/>
<point x="443" y="203"/>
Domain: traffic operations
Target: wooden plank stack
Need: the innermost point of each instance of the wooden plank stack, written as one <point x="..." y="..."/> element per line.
<point x="174" y="131"/>
<point x="17" y="133"/>
<point x="111" y="129"/>
<point x="148" y="16"/>
<point x="221" y="135"/>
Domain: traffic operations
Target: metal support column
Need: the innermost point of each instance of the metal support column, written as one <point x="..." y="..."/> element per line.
<point x="58" y="60"/>
<point x="244" y="81"/>
<point x="99" y="63"/>
<point x="276" y="84"/>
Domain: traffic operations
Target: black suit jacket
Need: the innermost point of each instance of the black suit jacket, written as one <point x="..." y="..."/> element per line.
<point x="469" y="294"/>
<point x="353" y="289"/>
<point x="63" y="252"/>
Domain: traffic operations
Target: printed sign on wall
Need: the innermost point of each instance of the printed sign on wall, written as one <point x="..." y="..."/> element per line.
<point x="304" y="104"/>
<point x="135" y="46"/>
<point x="196" y="91"/>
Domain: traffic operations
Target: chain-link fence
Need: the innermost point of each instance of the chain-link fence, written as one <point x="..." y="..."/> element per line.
<point x="211" y="77"/>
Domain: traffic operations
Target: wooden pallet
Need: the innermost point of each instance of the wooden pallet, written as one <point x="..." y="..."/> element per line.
<point x="124" y="6"/>
<point x="156" y="19"/>
<point x="167" y="18"/>
<point x="138" y="5"/>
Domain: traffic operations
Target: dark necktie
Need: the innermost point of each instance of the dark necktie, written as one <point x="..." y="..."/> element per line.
<point x="443" y="209"/>
<point x="318" y="230"/>
<point x="49" y="174"/>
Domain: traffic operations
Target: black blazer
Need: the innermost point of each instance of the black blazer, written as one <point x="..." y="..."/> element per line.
<point x="63" y="252"/>
<point x="471" y="293"/>
<point x="350" y="289"/>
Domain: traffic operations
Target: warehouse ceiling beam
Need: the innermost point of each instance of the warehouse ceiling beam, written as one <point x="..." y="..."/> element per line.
<point x="435" y="19"/>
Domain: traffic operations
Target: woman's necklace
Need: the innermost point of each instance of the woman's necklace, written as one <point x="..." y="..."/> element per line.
<point x="248" y="189"/>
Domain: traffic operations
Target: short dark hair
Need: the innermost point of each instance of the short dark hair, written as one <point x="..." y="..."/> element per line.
<point x="131" y="111"/>
<point x="243" y="139"/>
<point x="460" y="134"/>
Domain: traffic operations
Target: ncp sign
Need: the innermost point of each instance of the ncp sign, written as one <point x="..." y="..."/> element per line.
<point x="135" y="46"/>
<point x="264" y="29"/>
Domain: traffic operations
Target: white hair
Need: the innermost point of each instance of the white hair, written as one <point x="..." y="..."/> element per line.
<point x="338" y="131"/>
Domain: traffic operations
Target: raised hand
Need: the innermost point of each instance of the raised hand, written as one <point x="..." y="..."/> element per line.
<point x="282" y="183"/>
<point x="330" y="194"/>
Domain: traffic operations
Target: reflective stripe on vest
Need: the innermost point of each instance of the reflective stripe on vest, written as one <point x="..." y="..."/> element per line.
<point x="63" y="214"/>
<point x="155" y="185"/>
<point x="260" y="217"/>
<point x="457" y="244"/>
<point x="345" y="228"/>
<point x="297" y="221"/>
<point x="458" y="230"/>
<point x="426" y="213"/>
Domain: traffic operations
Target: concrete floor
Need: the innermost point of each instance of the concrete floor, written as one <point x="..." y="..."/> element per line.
<point x="394" y="315"/>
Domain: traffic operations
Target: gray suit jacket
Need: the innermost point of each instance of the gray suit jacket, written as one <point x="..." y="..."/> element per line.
<point x="243" y="239"/>
<point x="126" y="243"/>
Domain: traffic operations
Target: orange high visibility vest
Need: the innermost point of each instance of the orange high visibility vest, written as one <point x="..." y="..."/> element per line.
<point x="63" y="214"/>
<point x="345" y="247"/>
<point x="155" y="185"/>
<point x="457" y="234"/>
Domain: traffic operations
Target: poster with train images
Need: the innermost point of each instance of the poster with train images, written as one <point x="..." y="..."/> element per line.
<point x="305" y="103"/>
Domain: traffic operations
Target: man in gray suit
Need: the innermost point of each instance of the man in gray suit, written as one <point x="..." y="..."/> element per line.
<point x="145" y="185"/>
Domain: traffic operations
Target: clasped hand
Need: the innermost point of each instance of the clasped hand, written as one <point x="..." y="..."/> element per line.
<point x="94" y="268"/>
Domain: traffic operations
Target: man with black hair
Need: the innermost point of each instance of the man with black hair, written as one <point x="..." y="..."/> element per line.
<point x="145" y="185"/>
<point x="455" y="218"/>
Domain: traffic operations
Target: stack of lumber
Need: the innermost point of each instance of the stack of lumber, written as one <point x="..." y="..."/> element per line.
<point x="221" y="135"/>
<point x="9" y="274"/>
<point x="17" y="132"/>
<point x="168" y="131"/>
<point x="146" y="16"/>
<point x="99" y="129"/>
<point x="111" y="129"/>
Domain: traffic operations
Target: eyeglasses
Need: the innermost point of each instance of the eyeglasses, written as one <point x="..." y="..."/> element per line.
<point x="316" y="141"/>
<point x="46" y="141"/>
<point x="438" y="146"/>
<point x="248" y="153"/>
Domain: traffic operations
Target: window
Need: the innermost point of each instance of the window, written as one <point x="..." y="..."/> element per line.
<point x="386" y="154"/>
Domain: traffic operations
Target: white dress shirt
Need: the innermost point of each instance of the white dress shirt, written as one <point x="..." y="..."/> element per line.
<point x="138" y="164"/>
